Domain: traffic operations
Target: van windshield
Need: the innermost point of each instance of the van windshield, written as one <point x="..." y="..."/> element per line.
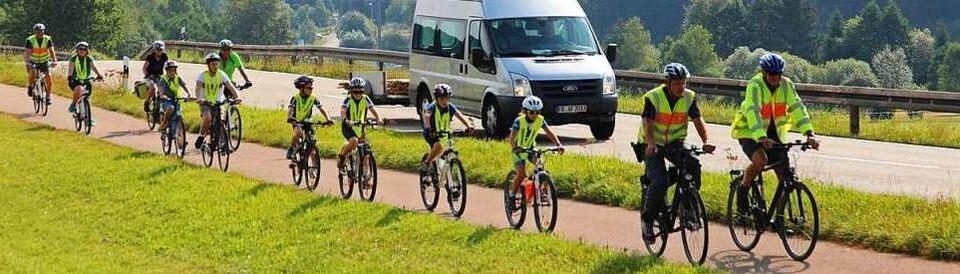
<point x="542" y="37"/>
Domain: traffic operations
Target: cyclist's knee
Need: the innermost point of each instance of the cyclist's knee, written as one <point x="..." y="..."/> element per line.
<point x="758" y="159"/>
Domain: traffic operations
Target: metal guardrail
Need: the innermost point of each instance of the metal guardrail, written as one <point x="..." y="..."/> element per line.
<point x="852" y="97"/>
<point x="19" y="50"/>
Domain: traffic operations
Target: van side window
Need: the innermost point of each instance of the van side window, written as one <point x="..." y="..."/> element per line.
<point x="424" y="35"/>
<point x="476" y="46"/>
<point x="451" y="38"/>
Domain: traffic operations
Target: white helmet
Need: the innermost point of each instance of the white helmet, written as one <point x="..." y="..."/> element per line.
<point x="159" y="44"/>
<point x="532" y="103"/>
<point x="357" y="83"/>
<point x="226" y="44"/>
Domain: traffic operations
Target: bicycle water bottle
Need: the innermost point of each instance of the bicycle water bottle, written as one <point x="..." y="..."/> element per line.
<point x="528" y="190"/>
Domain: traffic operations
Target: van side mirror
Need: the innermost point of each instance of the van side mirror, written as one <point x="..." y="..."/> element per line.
<point x="479" y="58"/>
<point x="611" y="52"/>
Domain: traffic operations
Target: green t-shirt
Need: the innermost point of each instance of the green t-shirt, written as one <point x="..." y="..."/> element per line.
<point x="231" y="64"/>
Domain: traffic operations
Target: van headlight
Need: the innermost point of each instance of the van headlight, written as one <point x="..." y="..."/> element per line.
<point x="609" y="83"/>
<point x="521" y="85"/>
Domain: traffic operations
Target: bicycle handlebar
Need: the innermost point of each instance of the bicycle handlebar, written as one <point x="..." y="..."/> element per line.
<point x="804" y="146"/>
<point x="311" y="123"/>
<point x="242" y="87"/>
<point x="696" y="151"/>
<point x="544" y="150"/>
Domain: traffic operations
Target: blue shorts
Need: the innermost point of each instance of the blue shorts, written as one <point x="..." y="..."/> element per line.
<point x="164" y="104"/>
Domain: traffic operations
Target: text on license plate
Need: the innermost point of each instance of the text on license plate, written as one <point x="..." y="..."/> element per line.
<point x="572" y="109"/>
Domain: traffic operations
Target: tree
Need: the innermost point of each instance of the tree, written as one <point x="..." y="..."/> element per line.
<point x="894" y="26"/>
<point x="848" y="72"/>
<point x="106" y="24"/>
<point x="356" y="39"/>
<point x="863" y="40"/>
<point x="833" y="44"/>
<point x="400" y="11"/>
<point x="307" y="31"/>
<point x="694" y="49"/>
<point x="395" y="37"/>
<point x="260" y="22"/>
<point x="800" y="70"/>
<point x="798" y="27"/>
<point x="892" y="70"/>
<point x="921" y="46"/>
<point x="742" y="63"/>
<point x="949" y="70"/>
<point x="636" y="50"/>
<point x="724" y="18"/>
<point x="355" y="21"/>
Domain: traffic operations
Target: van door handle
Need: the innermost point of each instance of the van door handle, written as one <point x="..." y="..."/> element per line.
<point x="465" y="68"/>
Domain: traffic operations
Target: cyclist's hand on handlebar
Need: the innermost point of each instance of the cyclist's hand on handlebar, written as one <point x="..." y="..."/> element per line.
<point x="517" y="150"/>
<point x="291" y="120"/>
<point x="348" y="123"/>
<point x="381" y="121"/>
<point x="561" y="149"/>
<point x="651" y="149"/>
<point x="708" y="148"/>
<point x="767" y="143"/>
<point x="814" y="143"/>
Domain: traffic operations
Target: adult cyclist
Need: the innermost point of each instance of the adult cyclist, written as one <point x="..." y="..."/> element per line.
<point x="232" y="61"/>
<point x="152" y="70"/>
<point x="771" y="107"/>
<point x="212" y="85"/>
<point x="667" y="110"/>
<point x="39" y="56"/>
<point x="78" y="73"/>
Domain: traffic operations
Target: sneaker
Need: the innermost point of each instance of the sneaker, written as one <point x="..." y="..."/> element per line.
<point x="30" y="92"/>
<point x="48" y="101"/>
<point x="199" y="142"/>
<point x="146" y="106"/>
<point x="648" y="235"/>
<point x="290" y="154"/>
<point x="72" y="108"/>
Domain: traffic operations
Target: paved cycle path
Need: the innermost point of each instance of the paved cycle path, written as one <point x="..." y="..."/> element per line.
<point x="601" y="225"/>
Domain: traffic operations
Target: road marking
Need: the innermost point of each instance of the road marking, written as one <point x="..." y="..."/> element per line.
<point x="877" y="162"/>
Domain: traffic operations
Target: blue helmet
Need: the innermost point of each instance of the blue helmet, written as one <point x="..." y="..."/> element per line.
<point x="773" y="63"/>
<point x="676" y="71"/>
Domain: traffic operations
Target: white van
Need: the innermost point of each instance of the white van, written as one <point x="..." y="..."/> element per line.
<point x="494" y="53"/>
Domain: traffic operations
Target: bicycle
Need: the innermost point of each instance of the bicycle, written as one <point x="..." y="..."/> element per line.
<point x="306" y="158"/>
<point x="154" y="109"/>
<point x="235" y="122"/>
<point x="175" y="136"/>
<point x="219" y="138"/>
<point x="446" y="170"/>
<point x="792" y="220"/>
<point x="686" y="207"/>
<point x="83" y="116"/>
<point x="537" y="190"/>
<point x="40" y="96"/>
<point x="353" y="172"/>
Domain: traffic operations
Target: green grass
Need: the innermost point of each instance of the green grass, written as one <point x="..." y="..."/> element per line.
<point x="882" y="222"/>
<point x="941" y="131"/>
<point x="102" y="208"/>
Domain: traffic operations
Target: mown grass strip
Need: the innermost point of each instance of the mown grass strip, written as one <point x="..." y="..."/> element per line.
<point x="88" y="206"/>
<point x="882" y="222"/>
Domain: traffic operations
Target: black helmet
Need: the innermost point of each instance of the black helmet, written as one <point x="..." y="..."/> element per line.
<point x="442" y="90"/>
<point x="302" y="81"/>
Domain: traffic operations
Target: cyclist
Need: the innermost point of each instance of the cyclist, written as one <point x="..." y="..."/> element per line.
<point x="354" y="110"/>
<point x="771" y="108"/>
<point x="301" y="109"/>
<point x="152" y="70"/>
<point x="437" y="117"/>
<point x="78" y="73"/>
<point x="39" y="55"/>
<point x="211" y="86"/>
<point x="232" y="61"/>
<point x="667" y="110"/>
<point x="171" y="87"/>
<point x="523" y="136"/>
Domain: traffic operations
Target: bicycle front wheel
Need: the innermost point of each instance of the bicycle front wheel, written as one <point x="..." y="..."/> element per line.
<point x="545" y="206"/>
<point x="516" y="211"/>
<point x="42" y="94"/>
<point x="223" y="149"/>
<point x="87" y="116"/>
<point x="694" y="228"/>
<point x="296" y="167"/>
<point x="457" y="188"/>
<point x="345" y="176"/>
<point x="312" y="172"/>
<point x="181" y="137"/>
<point x="36" y="102"/>
<point x="166" y="140"/>
<point x="743" y="221"/>
<point x="368" y="181"/>
<point x="152" y="114"/>
<point x="798" y="220"/>
<point x="206" y="150"/>
<point x="235" y="127"/>
<point x="429" y="190"/>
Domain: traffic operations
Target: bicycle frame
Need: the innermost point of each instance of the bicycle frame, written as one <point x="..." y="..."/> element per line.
<point x="676" y="175"/>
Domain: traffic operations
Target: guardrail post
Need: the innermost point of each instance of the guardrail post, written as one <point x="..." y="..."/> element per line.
<point x="854" y="120"/>
<point x="380" y="66"/>
<point x="178" y="53"/>
<point x="293" y="60"/>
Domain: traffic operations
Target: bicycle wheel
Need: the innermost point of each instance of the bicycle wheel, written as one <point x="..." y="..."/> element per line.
<point x="345" y="175"/>
<point x="206" y="150"/>
<point x="457" y="188"/>
<point x="152" y="115"/>
<point x="77" y="121"/>
<point x="659" y="243"/>
<point x="744" y="224"/>
<point x="694" y="228"/>
<point x="87" y="116"/>
<point x="166" y="140"/>
<point x="368" y="183"/>
<point x="180" y="140"/>
<point x="312" y="173"/>
<point x="429" y="189"/>
<point x="545" y="206"/>
<point x="235" y="127"/>
<point x="296" y="167"/>
<point x="36" y="101"/>
<point x="798" y="219"/>
<point x="223" y="149"/>
<point x="42" y="93"/>
<point x="516" y="216"/>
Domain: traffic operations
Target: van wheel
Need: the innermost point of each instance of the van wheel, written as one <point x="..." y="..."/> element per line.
<point x="493" y="120"/>
<point x="603" y="130"/>
<point x="423" y="98"/>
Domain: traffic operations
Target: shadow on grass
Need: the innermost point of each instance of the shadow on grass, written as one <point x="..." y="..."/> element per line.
<point x="737" y="261"/>
<point x="254" y="191"/>
<point x="480" y="234"/>
<point x="134" y="155"/>
<point x="305" y="207"/>
<point x="36" y="127"/>
<point x="392" y="216"/>
<point x="626" y="263"/>
<point x="117" y="134"/>
<point x="162" y="171"/>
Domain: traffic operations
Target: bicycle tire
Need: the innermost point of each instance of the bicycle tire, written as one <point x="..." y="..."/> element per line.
<point x="296" y="167"/>
<point x="697" y="213"/>
<point x="207" y="153"/>
<point x="655" y="249"/>
<point x="748" y="223"/>
<point x="785" y="218"/>
<point x="344" y="175"/>
<point x="181" y="137"/>
<point x="151" y="114"/>
<point x="516" y="222"/>
<point x="166" y="140"/>
<point x="44" y="108"/>
<point x="540" y="208"/>
<point x="312" y="173"/>
<point x="36" y="102"/>
<point x="365" y="193"/>
<point x="234" y="127"/>
<point x="223" y="149"/>
<point x="87" y="116"/>
<point x="458" y="203"/>
<point x="77" y="121"/>
<point x="429" y="188"/>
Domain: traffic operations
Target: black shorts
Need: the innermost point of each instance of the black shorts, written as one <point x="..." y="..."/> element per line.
<point x="41" y="67"/>
<point x="347" y="132"/>
<point x="750" y="146"/>
<point x="74" y="83"/>
<point x="431" y="140"/>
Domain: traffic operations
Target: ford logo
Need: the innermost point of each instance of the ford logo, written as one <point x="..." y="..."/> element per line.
<point x="570" y="88"/>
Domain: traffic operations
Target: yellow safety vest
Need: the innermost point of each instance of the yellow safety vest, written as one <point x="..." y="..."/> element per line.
<point x="357" y="111"/>
<point x="212" y="85"/>
<point x="670" y="124"/>
<point x="527" y="135"/>
<point x="304" y="106"/>
<point x="760" y="105"/>
<point x="40" y="50"/>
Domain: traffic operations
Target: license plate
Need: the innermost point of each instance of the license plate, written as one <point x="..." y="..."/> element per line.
<point x="572" y="109"/>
